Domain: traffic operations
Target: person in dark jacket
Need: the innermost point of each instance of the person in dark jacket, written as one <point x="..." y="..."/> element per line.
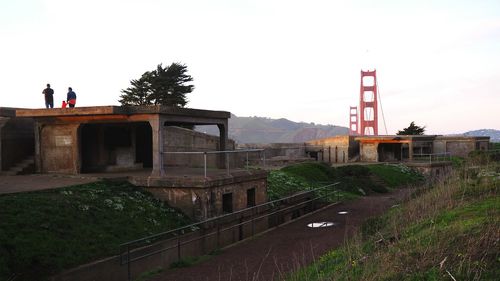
<point x="71" y="97"/>
<point x="49" y="97"/>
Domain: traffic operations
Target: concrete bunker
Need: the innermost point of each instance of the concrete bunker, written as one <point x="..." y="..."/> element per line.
<point x="150" y="141"/>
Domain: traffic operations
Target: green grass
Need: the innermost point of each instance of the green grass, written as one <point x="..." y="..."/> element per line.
<point x="452" y="229"/>
<point x="355" y="180"/>
<point x="312" y="172"/>
<point x="395" y="175"/>
<point x="44" y="232"/>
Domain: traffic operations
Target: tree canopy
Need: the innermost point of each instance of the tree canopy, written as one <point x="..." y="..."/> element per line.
<point x="162" y="86"/>
<point x="412" y="130"/>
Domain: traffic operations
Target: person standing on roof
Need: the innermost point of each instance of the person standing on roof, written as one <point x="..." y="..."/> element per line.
<point x="49" y="97"/>
<point x="71" y="98"/>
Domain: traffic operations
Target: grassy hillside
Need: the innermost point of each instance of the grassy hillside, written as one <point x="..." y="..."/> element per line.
<point x="44" y="232"/>
<point x="449" y="232"/>
<point x="355" y="180"/>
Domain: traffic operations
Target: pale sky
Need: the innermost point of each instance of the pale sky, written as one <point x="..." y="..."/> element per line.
<point x="438" y="62"/>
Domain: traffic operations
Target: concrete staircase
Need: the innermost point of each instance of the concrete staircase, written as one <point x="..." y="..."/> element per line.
<point x="27" y="166"/>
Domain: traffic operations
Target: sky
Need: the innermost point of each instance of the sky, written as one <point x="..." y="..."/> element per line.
<point x="437" y="62"/>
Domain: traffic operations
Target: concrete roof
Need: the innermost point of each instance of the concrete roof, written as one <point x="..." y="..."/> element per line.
<point x="7" y="111"/>
<point x="396" y="138"/>
<point x="463" y="137"/>
<point x="121" y="110"/>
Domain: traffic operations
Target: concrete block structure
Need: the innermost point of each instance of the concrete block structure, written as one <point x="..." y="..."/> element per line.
<point x="141" y="138"/>
<point x="405" y="148"/>
<point x="393" y="148"/>
<point x="338" y="149"/>
<point x="460" y="145"/>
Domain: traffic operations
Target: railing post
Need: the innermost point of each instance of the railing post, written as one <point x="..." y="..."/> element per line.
<point x="264" y="157"/>
<point x="205" y="164"/>
<point x="128" y="262"/>
<point x="178" y="248"/>
<point x="247" y="160"/>
<point x="218" y="233"/>
<point x="253" y="220"/>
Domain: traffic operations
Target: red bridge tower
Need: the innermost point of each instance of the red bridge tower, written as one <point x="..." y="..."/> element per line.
<point x="353" y="120"/>
<point x="368" y="108"/>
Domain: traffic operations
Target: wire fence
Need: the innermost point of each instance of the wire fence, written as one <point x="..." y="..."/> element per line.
<point x="228" y="159"/>
<point x="432" y="158"/>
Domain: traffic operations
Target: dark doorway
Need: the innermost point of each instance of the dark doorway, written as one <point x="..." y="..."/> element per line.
<point x="227" y="203"/>
<point x="389" y="152"/>
<point x="116" y="147"/>
<point x="144" y="145"/>
<point x="91" y="140"/>
<point x="251" y="197"/>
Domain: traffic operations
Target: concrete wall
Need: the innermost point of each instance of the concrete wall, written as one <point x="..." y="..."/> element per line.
<point x="338" y="149"/>
<point x="368" y="152"/>
<point x="59" y="147"/>
<point x="290" y="150"/>
<point x="183" y="140"/>
<point x="203" y="203"/>
<point x="460" y="146"/>
<point x="17" y="141"/>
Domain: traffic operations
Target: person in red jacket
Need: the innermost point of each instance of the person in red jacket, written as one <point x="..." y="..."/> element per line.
<point x="71" y="98"/>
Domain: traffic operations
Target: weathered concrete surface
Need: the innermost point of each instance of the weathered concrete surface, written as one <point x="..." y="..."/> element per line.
<point x="122" y="110"/>
<point x="59" y="142"/>
<point x="338" y="149"/>
<point x="460" y="145"/>
<point x="368" y="152"/>
<point x="25" y="183"/>
<point x="201" y="198"/>
<point x="178" y="139"/>
<point x="59" y="149"/>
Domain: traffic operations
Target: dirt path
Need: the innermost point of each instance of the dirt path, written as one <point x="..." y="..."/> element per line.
<point x="24" y="183"/>
<point x="288" y="247"/>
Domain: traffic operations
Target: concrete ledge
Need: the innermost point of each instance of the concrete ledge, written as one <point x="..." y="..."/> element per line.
<point x="198" y="182"/>
<point x="427" y="164"/>
<point x="117" y="110"/>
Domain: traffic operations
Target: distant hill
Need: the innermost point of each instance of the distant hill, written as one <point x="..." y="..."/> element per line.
<point x="493" y="134"/>
<point x="267" y="130"/>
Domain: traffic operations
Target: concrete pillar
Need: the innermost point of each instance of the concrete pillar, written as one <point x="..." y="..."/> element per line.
<point x="3" y="121"/>
<point x="77" y="148"/>
<point x="410" y="150"/>
<point x="223" y="137"/>
<point x="157" y="130"/>
<point x="38" y="146"/>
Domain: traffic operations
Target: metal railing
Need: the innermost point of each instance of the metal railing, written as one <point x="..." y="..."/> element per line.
<point x="249" y="216"/>
<point x="432" y="157"/>
<point x="226" y="153"/>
